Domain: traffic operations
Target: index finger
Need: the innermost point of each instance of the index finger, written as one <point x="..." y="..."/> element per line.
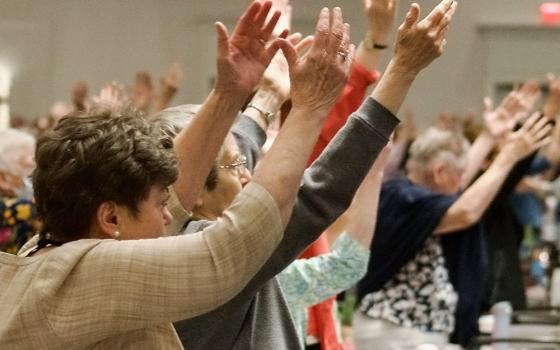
<point x="437" y="14"/>
<point x="322" y="30"/>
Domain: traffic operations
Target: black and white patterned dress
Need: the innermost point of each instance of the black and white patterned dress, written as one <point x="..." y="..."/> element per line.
<point x="419" y="296"/>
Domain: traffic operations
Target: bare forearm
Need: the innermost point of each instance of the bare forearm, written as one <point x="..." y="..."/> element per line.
<point x="368" y="55"/>
<point x="472" y="204"/>
<point x="362" y="214"/>
<point x="393" y="86"/>
<point x="198" y="145"/>
<point x="478" y="153"/>
<point x="281" y="170"/>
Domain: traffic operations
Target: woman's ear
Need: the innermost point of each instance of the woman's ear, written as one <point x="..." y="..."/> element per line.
<point x="108" y="219"/>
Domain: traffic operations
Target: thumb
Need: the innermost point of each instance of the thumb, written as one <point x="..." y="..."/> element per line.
<point x="412" y="16"/>
<point x="488" y="104"/>
<point x="222" y="39"/>
<point x="289" y="52"/>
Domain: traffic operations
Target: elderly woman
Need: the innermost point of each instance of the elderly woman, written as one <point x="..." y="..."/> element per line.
<point x="97" y="277"/>
<point x="18" y="218"/>
<point x="406" y="298"/>
<point x="259" y="317"/>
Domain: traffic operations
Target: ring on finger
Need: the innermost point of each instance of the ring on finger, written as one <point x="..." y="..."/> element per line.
<point x="342" y="54"/>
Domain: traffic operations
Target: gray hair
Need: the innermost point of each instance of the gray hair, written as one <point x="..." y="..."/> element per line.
<point x="14" y="146"/>
<point x="433" y="145"/>
<point x="175" y="119"/>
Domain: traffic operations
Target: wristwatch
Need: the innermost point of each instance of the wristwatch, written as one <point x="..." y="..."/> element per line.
<point x="369" y="44"/>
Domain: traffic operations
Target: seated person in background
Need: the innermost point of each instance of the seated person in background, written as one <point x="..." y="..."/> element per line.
<point x="18" y="217"/>
<point x="96" y="274"/>
<point x="259" y="316"/>
<point x="407" y="298"/>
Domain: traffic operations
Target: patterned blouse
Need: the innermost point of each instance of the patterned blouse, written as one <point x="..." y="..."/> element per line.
<point x="420" y="296"/>
<point x="18" y="223"/>
<point x="306" y="282"/>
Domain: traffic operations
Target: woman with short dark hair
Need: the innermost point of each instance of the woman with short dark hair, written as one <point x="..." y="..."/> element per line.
<point x="99" y="276"/>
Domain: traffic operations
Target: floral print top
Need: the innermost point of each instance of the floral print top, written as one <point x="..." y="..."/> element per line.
<point x="18" y="223"/>
<point x="419" y="296"/>
<point x="306" y="282"/>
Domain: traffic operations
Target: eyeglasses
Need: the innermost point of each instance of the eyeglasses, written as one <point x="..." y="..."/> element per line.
<point x="237" y="165"/>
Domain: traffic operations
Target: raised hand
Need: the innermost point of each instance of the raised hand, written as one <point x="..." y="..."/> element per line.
<point x="317" y="78"/>
<point x="277" y="76"/>
<point x="552" y="106"/>
<point x="528" y="95"/>
<point x="534" y="134"/>
<point x="112" y="95"/>
<point x="419" y="43"/>
<point x="243" y="57"/>
<point x="501" y="120"/>
<point x="174" y="76"/>
<point x="381" y="17"/>
<point x="285" y="21"/>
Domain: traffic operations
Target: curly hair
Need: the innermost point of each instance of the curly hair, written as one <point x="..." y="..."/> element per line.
<point x="97" y="156"/>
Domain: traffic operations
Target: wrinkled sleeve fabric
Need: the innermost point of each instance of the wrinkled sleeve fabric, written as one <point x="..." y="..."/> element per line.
<point x="306" y="282"/>
<point x="350" y="99"/>
<point x="126" y="285"/>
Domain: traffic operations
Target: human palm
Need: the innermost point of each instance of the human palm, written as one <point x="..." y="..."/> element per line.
<point x="243" y="57"/>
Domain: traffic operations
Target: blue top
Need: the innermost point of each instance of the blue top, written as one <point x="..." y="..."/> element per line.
<point x="408" y="215"/>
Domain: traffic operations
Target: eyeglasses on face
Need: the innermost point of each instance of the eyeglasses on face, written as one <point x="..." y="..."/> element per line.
<point x="237" y="164"/>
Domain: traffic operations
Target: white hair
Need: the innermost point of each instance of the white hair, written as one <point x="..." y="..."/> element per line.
<point x="436" y="145"/>
<point x="14" y="146"/>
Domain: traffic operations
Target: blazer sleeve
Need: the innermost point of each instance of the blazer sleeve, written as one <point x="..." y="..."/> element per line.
<point x="126" y="285"/>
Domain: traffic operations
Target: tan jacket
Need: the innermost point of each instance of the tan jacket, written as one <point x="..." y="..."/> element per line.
<point x="107" y="294"/>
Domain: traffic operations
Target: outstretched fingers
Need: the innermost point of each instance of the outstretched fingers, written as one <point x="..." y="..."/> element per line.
<point x="322" y="30"/>
<point x="437" y="14"/>
<point x="337" y="33"/>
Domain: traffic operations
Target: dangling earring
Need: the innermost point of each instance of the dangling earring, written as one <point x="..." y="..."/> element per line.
<point x="116" y="235"/>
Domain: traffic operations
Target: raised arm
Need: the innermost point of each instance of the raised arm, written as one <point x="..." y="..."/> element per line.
<point x="169" y="85"/>
<point x="316" y="81"/>
<point x="154" y="281"/>
<point x="498" y="123"/>
<point x="381" y="18"/>
<point x="306" y="282"/>
<point x="469" y="207"/>
<point x="418" y="44"/>
<point x="332" y="180"/>
<point x="242" y="59"/>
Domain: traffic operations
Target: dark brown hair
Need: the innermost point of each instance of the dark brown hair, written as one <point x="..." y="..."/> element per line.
<point x="98" y="156"/>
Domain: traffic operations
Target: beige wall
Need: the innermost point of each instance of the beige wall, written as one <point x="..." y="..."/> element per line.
<point x="50" y="44"/>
